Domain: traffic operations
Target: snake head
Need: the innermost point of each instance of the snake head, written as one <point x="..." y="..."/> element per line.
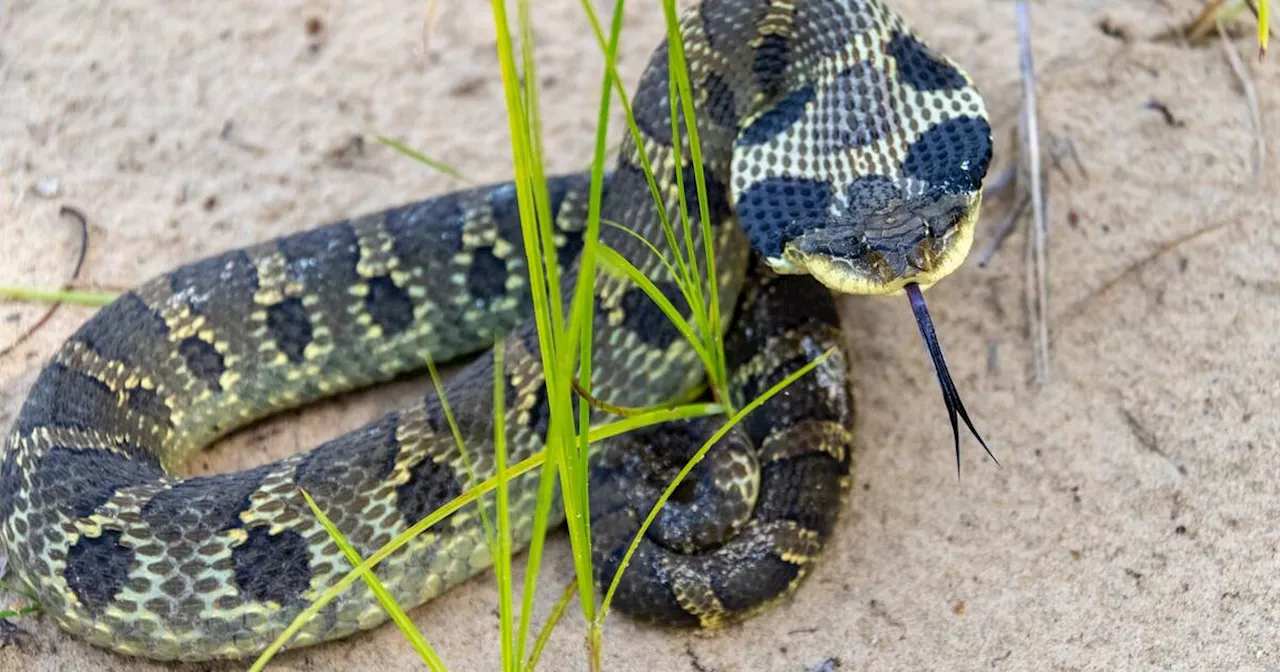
<point x="879" y="251"/>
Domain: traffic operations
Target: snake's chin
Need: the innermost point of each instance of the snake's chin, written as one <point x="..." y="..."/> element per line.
<point x="839" y="258"/>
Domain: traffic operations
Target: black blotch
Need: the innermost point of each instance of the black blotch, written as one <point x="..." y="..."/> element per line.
<point x="728" y="23"/>
<point x="337" y="471"/>
<point x="97" y="568"/>
<point x="147" y="403"/>
<point x="953" y="156"/>
<point x="125" y="330"/>
<point x="504" y="206"/>
<point x="721" y="102"/>
<point x="420" y="231"/>
<point x="802" y="400"/>
<point x="775" y="210"/>
<point x="272" y="567"/>
<point x="643" y="317"/>
<point x="64" y="397"/>
<point x="10" y="484"/>
<point x="804" y="489"/>
<point x="330" y="243"/>
<point x="867" y="195"/>
<point x="644" y="592"/>
<point x="651" y="104"/>
<point x="388" y="305"/>
<point x="487" y="275"/>
<point x="744" y="585"/>
<point x="86" y="478"/>
<point x="770" y="63"/>
<point x="199" y="507"/>
<point x="568" y="253"/>
<point x="290" y="327"/>
<point x="782" y="305"/>
<point x="920" y="68"/>
<point x="203" y="360"/>
<point x="779" y="118"/>
<point x="220" y="285"/>
<point x="718" y="208"/>
<point x="430" y="486"/>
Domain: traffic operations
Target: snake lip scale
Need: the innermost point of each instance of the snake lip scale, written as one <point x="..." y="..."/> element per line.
<point x="841" y="153"/>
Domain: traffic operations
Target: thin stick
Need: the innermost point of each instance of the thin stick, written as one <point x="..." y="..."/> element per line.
<point x="1029" y="132"/>
<point x="1250" y="96"/>
<point x="82" y="225"/>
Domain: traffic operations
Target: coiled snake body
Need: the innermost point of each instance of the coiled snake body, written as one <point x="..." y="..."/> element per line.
<point x="831" y="136"/>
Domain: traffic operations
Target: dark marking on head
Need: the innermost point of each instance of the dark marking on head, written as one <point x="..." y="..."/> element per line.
<point x="421" y="231"/>
<point x="272" y="567"/>
<point x="125" y="330"/>
<point x="388" y="305"/>
<point x="779" y="118"/>
<point x="290" y="327"/>
<point x="84" y="479"/>
<point x="431" y="485"/>
<point x="486" y="276"/>
<point x="97" y="568"/>
<point x="147" y="403"/>
<point x="868" y="195"/>
<point x="203" y="360"/>
<point x="642" y="316"/>
<point x="338" y="471"/>
<point x="770" y="63"/>
<point x="203" y="505"/>
<point x="775" y="210"/>
<point x="953" y="156"/>
<point x="921" y="68"/>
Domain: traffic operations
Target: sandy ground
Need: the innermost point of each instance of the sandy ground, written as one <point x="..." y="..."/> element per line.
<point x="1135" y="523"/>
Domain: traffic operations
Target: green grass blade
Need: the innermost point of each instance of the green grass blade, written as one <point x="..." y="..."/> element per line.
<point x="502" y="554"/>
<point x="388" y="603"/>
<point x="557" y="612"/>
<point x="619" y="263"/>
<point x="37" y="295"/>
<point x="449" y="508"/>
<point x="654" y="417"/>
<point x="671" y="488"/>
<point x="422" y="158"/>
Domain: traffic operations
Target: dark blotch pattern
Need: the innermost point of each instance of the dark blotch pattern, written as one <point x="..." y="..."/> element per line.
<point x="779" y="118"/>
<point x="430" y="485"/>
<point x="272" y="567"/>
<point x="148" y="403"/>
<point x="86" y="478"/>
<point x="487" y="275"/>
<point x="721" y="103"/>
<point x="728" y="23"/>
<point x="747" y="584"/>
<point x="775" y="210"/>
<point x="770" y="64"/>
<point x="63" y="397"/>
<point x="126" y="330"/>
<point x="388" y="305"/>
<point x="922" y="69"/>
<point x="651" y="103"/>
<point x="196" y="508"/>
<point x="408" y="226"/>
<point x="804" y="489"/>
<point x="802" y="400"/>
<point x="290" y="328"/>
<point x="97" y="568"/>
<point x="953" y="156"/>
<point x="338" y="471"/>
<point x="643" y="317"/>
<point x="217" y="286"/>
<point x="203" y="360"/>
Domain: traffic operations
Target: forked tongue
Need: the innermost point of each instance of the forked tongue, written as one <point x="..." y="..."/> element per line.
<point x="950" y="396"/>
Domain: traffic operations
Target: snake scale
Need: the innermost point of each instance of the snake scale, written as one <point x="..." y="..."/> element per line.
<point x="840" y="153"/>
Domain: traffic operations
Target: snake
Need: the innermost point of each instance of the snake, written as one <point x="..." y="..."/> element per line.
<point x="839" y="154"/>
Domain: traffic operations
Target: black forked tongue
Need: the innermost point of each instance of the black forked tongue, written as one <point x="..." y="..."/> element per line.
<point x="950" y="396"/>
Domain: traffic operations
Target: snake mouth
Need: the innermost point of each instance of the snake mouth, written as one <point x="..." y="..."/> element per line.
<point x="881" y="253"/>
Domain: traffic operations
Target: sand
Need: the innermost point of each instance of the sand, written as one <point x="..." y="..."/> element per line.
<point x="1134" y="522"/>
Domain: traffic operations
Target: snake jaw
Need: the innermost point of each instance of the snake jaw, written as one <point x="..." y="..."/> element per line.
<point x="950" y="395"/>
<point x="924" y="244"/>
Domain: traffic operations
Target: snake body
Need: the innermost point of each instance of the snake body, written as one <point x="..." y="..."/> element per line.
<point x="840" y="144"/>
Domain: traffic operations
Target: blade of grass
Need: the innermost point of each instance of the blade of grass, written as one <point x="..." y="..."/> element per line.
<point x="421" y="158"/>
<point x="697" y="457"/>
<point x="557" y="612"/>
<point x="388" y="603"/>
<point x="502" y="556"/>
<point x="79" y="298"/>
